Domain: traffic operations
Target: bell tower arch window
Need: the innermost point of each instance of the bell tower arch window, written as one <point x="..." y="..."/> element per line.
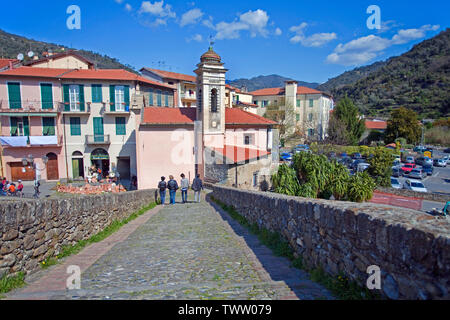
<point x="214" y="101"/>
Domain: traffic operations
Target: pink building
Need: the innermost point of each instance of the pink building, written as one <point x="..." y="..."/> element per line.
<point x="31" y="126"/>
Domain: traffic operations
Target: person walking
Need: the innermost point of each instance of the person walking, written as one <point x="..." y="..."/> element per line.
<point x="197" y="186"/>
<point x="20" y="188"/>
<point x="184" y="184"/>
<point x="162" y="186"/>
<point x="172" y="185"/>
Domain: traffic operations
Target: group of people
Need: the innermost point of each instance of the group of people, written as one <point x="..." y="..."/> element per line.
<point x="172" y="186"/>
<point x="8" y="188"/>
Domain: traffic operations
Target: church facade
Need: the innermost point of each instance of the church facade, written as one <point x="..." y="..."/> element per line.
<point x="224" y="145"/>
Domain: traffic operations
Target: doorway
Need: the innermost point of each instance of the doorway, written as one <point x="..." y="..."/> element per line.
<point x="21" y="172"/>
<point x="123" y="167"/>
<point x="52" y="167"/>
<point x="77" y="165"/>
<point x="100" y="159"/>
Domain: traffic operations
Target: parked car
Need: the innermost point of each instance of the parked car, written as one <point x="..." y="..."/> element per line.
<point x="414" y="185"/>
<point x="397" y="171"/>
<point x="422" y="161"/>
<point x="396" y="163"/>
<point x="407" y="168"/>
<point x="357" y="155"/>
<point x="395" y="183"/>
<point x="409" y="159"/>
<point x="439" y="163"/>
<point x="417" y="174"/>
<point x="446" y="159"/>
<point x="302" y="146"/>
<point x="447" y="150"/>
<point x="362" y="166"/>
<point x="286" y="156"/>
<point x="419" y="149"/>
<point x="428" y="170"/>
<point x="346" y="161"/>
<point x="356" y="163"/>
<point x="398" y="158"/>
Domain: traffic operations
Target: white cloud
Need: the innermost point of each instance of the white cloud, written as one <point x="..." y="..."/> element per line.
<point x="315" y="40"/>
<point x="209" y="23"/>
<point x="128" y="7"/>
<point x="253" y="21"/>
<point x="364" y="49"/>
<point x="159" y="10"/>
<point x="278" y="32"/>
<point x="197" y="38"/>
<point x="191" y="17"/>
<point x="118" y="1"/>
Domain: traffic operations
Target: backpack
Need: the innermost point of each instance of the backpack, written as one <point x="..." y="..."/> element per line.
<point x="162" y="186"/>
<point x="173" y="185"/>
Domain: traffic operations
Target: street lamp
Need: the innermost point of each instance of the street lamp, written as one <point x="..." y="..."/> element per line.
<point x="30" y="160"/>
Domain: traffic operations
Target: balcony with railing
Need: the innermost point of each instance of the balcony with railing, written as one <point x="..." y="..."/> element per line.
<point x="31" y="141"/>
<point x="29" y="106"/>
<point x="190" y="96"/>
<point x="98" y="139"/>
<point x="75" y="108"/>
<point x="117" y="108"/>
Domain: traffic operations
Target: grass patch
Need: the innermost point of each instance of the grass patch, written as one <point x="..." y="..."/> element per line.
<point x="105" y="233"/>
<point x="8" y="282"/>
<point x="340" y="286"/>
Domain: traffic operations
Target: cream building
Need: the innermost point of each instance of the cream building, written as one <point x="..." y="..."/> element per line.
<point x="308" y="109"/>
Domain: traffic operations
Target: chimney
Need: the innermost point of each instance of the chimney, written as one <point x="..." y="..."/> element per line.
<point x="36" y="57"/>
<point x="10" y="65"/>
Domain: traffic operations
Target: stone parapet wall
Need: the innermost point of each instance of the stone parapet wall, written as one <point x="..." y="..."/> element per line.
<point x="421" y="195"/>
<point x="33" y="230"/>
<point x="411" y="249"/>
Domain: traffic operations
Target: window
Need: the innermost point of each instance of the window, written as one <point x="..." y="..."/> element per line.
<point x="48" y="126"/>
<point x="18" y="125"/>
<point x="46" y="96"/>
<point x="120" y="126"/>
<point x="297" y="116"/>
<point x="166" y="99"/>
<point x="310" y="132"/>
<point x="255" y="179"/>
<point x="74" y="97"/>
<point x="214" y="107"/>
<point x="311" y="103"/>
<point x="255" y="102"/>
<point x="298" y="103"/>
<point x="75" y="127"/>
<point x="310" y="117"/>
<point x="158" y="98"/>
<point x="237" y="98"/>
<point x="15" y="101"/>
<point x="265" y="103"/>
<point x="120" y="98"/>
<point x="97" y="93"/>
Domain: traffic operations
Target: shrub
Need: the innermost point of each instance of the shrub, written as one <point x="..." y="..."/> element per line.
<point x="360" y="187"/>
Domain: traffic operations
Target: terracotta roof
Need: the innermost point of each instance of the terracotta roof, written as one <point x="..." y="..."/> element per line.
<point x="278" y="91"/>
<point x="246" y="104"/>
<point x="238" y="116"/>
<point x="377" y="125"/>
<point x="85" y="74"/>
<point x="172" y="75"/>
<point x="268" y="92"/>
<point x="35" y="72"/>
<point x="5" y="62"/>
<point x="235" y="154"/>
<point x="171" y="116"/>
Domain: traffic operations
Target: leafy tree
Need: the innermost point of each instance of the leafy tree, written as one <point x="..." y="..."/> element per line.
<point x="285" y="181"/>
<point x="380" y="166"/>
<point x="284" y="116"/>
<point x="347" y="124"/>
<point x="403" y="124"/>
<point x="360" y="187"/>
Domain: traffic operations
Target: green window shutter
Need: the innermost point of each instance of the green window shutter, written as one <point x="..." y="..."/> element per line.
<point x="14" y="95"/>
<point x="13" y="126"/>
<point x="48" y="124"/>
<point x="97" y="96"/>
<point x="166" y="98"/>
<point x="311" y="103"/>
<point x="127" y="96"/>
<point x="81" y="97"/>
<point x="75" y="127"/>
<point x="26" y="126"/>
<point x="158" y="98"/>
<point x="150" y="98"/>
<point x="297" y="117"/>
<point x="120" y="126"/>
<point x="298" y="103"/>
<point x="98" y="129"/>
<point x="66" y="97"/>
<point x="112" y="97"/>
<point x="47" y="95"/>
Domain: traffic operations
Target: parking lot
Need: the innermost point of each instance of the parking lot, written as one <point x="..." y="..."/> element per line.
<point x="439" y="182"/>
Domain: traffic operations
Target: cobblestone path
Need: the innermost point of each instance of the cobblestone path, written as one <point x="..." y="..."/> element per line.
<point x="192" y="251"/>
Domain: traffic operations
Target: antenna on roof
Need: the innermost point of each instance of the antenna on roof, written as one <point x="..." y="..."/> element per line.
<point x="211" y="42"/>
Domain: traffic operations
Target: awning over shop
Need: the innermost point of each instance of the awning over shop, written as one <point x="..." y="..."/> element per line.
<point x="43" y="140"/>
<point x="14" y="141"/>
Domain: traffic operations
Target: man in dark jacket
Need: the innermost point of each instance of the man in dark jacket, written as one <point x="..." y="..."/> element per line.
<point x="172" y="185"/>
<point x="162" y="186"/>
<point x="197" y="186"/>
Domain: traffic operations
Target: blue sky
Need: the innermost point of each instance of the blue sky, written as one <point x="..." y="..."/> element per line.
<point x="305" y="40"/>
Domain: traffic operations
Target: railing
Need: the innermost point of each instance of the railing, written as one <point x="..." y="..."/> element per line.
<point x="186" y="95"/>
<point x="28" y="144"/>
<point x="123" y="108"/>
<point x="29" y="106"/>
<point x="74" y="109"/>
<point x="98" y="139"/>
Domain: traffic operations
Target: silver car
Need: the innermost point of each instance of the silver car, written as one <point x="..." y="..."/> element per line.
<point x="395" y="183"/>
<point x="417" y="174"/>
<point x="439" y="163"/>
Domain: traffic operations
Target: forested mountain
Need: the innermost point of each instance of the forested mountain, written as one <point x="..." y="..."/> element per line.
<point x="262" y="82"/>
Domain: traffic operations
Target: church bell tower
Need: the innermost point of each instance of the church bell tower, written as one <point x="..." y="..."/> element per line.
<point x="211" y="99"/>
